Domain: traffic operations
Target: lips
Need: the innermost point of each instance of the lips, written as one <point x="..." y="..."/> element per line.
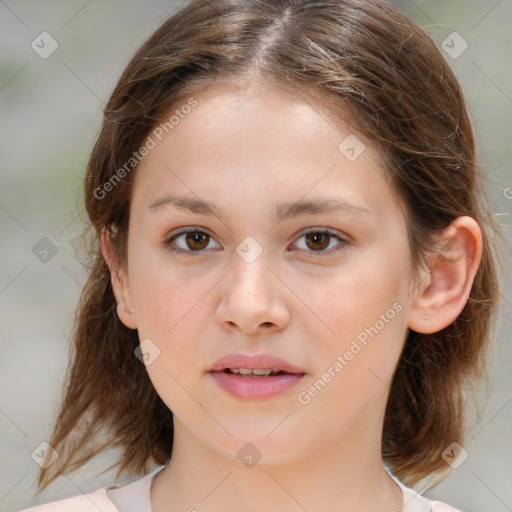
<point x="284" y="377"/>
<point x="255" y="362"/>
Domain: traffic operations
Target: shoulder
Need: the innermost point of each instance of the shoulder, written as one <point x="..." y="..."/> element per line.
<point x="92" y="502"/>
<point x="437" y="506"/>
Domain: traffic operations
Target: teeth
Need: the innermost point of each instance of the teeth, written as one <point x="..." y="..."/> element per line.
<point x="262" y="372"/>
<point x="249" y="371"/>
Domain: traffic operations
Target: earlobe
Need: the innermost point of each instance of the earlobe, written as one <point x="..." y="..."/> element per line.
<point x="119" y="281"/>
<point x="444" y="292"/>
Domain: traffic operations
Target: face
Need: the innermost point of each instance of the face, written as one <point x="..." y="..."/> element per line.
<point x="327" y="291"/>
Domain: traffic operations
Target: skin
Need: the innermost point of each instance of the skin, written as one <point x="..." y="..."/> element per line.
<point x="245" y="148"/>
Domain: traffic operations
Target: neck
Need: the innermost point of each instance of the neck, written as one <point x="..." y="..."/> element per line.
<point x="198" y="478"/>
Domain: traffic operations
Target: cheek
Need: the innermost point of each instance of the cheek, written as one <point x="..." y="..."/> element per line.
<point x="363" y="319"/>
<point x="355" y="297"/>
<point x="165" y="295"/>
<point x="173" y="310"/>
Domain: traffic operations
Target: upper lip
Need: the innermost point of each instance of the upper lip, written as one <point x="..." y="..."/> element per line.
<point x="258" y="361"/>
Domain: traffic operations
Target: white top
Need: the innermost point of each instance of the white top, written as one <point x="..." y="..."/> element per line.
<point x="135" y="497"/>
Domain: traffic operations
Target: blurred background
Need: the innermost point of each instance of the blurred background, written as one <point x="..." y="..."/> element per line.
<point x="51" y="98"/>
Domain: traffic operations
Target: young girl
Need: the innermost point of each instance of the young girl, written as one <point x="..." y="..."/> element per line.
<point x="294" y="268"/>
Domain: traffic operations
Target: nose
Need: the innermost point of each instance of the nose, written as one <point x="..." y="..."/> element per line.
<point x="253" y="298"/>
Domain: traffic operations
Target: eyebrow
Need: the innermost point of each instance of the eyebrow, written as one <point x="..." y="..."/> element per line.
<point x="281" y="211"/>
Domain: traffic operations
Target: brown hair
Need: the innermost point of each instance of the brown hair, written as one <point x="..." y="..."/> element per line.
<point x="357" y="56"/>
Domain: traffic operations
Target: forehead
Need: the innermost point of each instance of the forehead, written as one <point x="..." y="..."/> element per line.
<point x="259" y="140"/>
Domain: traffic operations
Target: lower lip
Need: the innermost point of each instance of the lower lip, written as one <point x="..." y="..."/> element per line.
<point x="253" y="387"/>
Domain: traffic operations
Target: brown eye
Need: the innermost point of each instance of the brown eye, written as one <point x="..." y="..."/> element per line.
<point x="318" y="241"/>
<point x="196" y="240"/>
<point x="188" y="242"/>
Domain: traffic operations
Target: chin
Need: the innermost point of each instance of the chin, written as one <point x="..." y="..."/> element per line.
<point x="255" y="446"/>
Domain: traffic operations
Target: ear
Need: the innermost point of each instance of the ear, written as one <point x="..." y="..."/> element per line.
<point x="119" y="280"/>
<point x="444" y="290"/>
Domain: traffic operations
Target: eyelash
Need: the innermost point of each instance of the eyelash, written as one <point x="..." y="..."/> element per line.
<point x="193" y="229"/>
